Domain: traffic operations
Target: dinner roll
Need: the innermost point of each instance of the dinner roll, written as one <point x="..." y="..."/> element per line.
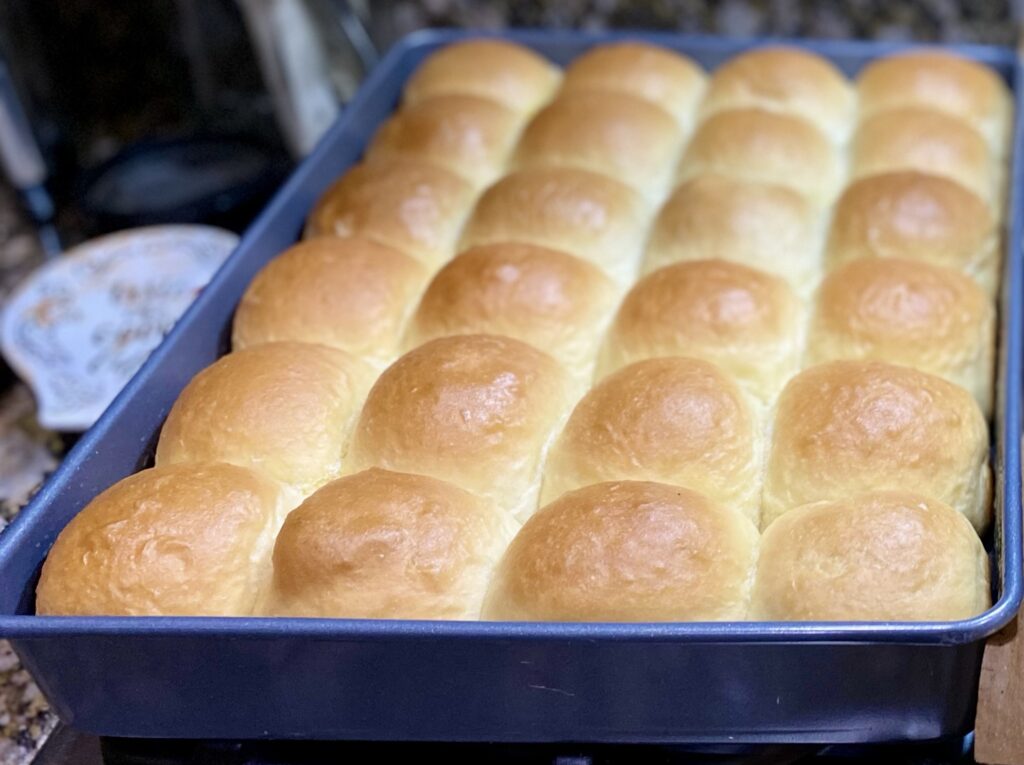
<point x="352" y="294"/>
<point x="502" y="71"/>
<point x="852" y="426"/>
<point x="413" y="206"/>
<point x="663" y="77"/>
<point x="284" y="409"/>
<point x="615" y="134"/>
<point x="468" y="135"/>
<point x="673" y="420"/>
<point x="769" y="227"/>
<point x="941" y="80"/>
<point x="784" y="79"/>
<point x="916" y="216"/>
<point x="475" y="410"/>
<point x="907" y="312"/>
<point x="881" y="556"/>
<point x="586" y="214"/>
<point x="915" y="138"/>
<point x="760" y="145"/>
<point x="746" y="321"/>
<point x="384" y="545"/>
<point x="175" y="540"/>
<point x="544" y="297"/>
<point x="627" y="551"/>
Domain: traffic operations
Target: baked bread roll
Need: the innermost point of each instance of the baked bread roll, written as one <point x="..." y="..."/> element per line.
<point x="916" y="216"/>
<point x="383" y="545"/>
<point x="627" y="551"/>
<point x="746" y="321"/>
<point x="941" y="80"/>
<point x="474" y="410"/>
<point x="766" y="147"/>
<point x="502" y="71"/>
<point x="177" y="540"/>
<point x="352" y="294"/>
<point x="674" y="420"/>
<point x="663" y="77"/>
<point x="283" y="409"/>
<point x="585" y="214"/>
<point x="907" y="312"/>
<point x="413" y="206"/>
<point x="847" y="427"/>
<point x="618" y="135"/>
<point x="549" y="299"/>
<point x="881" y="556"/>
<point x="766" y="226"/>
<point x="788" y="80"/>
<point x="915" y="138"/>
<point x="469" y="135"/>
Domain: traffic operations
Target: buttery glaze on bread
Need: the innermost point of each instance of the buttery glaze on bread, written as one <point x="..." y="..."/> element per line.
<point x="762" y="225"/>
<point x="283" y="409"/>
<point x="907" y="312"/>
<point x="411" y="205"/>
<point x="475" y="410"/>
<point x="387" y="545"/>
<point x="177" y="540"/>
<point x="585" y="214"/>
<point x="788" y="80"/>
<point x="847" y="427"/>
<point x="673" y="420"/>
<point x="663" y="77"/>
<point x="469" y="135"/>
<point x="746" y="321"/>
<point x="627" y="551"/>
<point x="352" y="294"/>
<point x="615" y="134"/>
<point x="544" y="297"/>
<point x="879" y="556"/>
<point x="505" y="72"/>
<point x="940" y="80"/>
<point x="914" y="215"/>
<point x="758" y="145"/>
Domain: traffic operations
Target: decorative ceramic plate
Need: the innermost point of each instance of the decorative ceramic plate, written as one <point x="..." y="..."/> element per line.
<point x="78" y="328"/>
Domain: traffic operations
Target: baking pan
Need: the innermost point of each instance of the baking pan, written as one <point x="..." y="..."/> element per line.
<point x="459" y="681"/>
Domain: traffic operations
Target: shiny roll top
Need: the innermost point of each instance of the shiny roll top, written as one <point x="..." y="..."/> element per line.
<point x="558" y="346"/>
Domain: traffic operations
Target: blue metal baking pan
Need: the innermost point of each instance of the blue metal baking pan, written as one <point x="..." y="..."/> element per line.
<point x="449" y="681"/>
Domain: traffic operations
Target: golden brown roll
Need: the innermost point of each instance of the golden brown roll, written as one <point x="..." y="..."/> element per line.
<point x="907" y="312"/>
<point x="614" y="134"/>
<point x="847" y="427"/>
<point x="549" y="299"/>
<point x="784" y="79"/>
<point x="674" y="420"/>
<point x="585" y="214"/>
<point x="383" y="545"/>
<point x="284" y="409"/>
<point x="762" y="225"/>
<point x="881" y="556"/>
<point x="627" y="551"/>
<point x="746" y="321"/>
<point x="352" y="294"/>
<point x="665" y="78"/>
<point x="767" y="147"/>
<point x="918" y="217"/>
<point x="941" y="80"/>
<point x="413" y="206"/>
<point x="502" y="71"/>
<point x="468" y="135"/>
<point x="177" y="540"/>
<point x="475" y="410"/>
<point x="915" y="138"/>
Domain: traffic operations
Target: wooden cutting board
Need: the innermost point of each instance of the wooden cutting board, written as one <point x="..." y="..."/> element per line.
<point x="999" y="730"/>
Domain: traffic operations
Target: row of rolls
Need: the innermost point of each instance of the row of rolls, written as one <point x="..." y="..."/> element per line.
<point x="627" y="342"/>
